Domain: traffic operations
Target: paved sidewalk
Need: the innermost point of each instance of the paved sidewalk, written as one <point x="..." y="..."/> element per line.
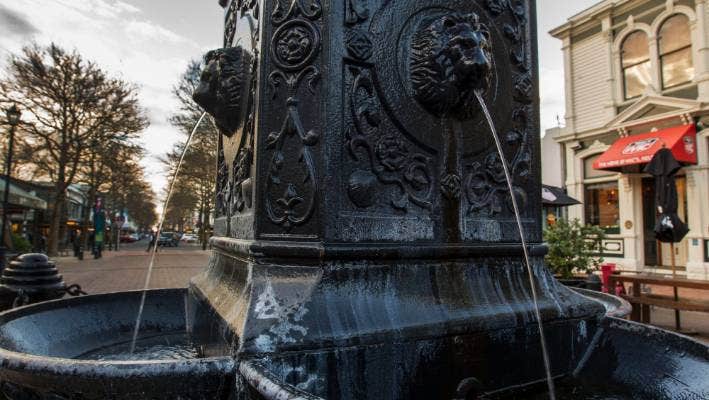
<point x="695" y="322"/>
<point x="126" y="269"/>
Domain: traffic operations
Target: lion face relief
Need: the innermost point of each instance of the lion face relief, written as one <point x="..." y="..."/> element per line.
<point x="450" y="59"/>
<point x="223" y="86"/>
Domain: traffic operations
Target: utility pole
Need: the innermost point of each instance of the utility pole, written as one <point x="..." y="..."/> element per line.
<point x="13" y="119"/>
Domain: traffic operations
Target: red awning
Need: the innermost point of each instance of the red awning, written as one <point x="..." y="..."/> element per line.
<point x="639" y="149"/>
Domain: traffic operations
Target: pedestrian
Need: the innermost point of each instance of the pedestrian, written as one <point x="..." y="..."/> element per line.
<point x="76" y="239"/>
<point x="92" y="243"/>
<point x="151" y="242"/>
<point x="109" y="240"/>
<point x="42" y="244"/>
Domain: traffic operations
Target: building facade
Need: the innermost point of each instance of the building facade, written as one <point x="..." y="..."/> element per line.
<point x="637" y="80"/>
<point x="75" y="207"/>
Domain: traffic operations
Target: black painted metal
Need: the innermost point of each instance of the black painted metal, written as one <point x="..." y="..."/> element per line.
<point x="30" y="278"/>
<point x="366" y="246"/>
<point x="39" y="344"/>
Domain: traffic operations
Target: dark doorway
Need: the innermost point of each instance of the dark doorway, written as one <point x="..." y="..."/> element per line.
<point x="649" y="216"/>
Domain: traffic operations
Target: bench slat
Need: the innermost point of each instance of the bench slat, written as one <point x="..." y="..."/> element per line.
<point x="674" y="282"/>
<point x="669" y="302"/>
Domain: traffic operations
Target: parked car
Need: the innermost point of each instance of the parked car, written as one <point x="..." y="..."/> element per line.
<point x="168" y="239"/>
<point x="189" y="238"/>
<point x="126" y="238"/>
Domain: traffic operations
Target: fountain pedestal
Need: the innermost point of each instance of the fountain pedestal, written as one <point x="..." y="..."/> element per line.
<point x="366" y="241"/>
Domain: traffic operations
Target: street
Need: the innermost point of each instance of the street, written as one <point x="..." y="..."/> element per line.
<point x="126" y="269"/>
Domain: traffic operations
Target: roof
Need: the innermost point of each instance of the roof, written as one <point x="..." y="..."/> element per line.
<point x="555" y="196"/>
<point x="22" y="198"/>
<point x="587" y="15"/>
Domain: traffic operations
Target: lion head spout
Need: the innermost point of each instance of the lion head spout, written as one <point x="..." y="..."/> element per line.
<point x="450" y="60"/>
<point x="223" y="86"/>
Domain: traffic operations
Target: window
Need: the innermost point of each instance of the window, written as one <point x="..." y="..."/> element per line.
<point x="675" y="45"/>
<point x="602" y="208"/>
<point x="635" y="60"/>
<point x="590" y="172"/>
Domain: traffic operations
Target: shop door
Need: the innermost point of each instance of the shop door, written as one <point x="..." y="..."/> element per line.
<point x="649" y="217"/>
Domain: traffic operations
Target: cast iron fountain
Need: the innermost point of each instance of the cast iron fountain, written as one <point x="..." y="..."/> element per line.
<point x="367" y="246"/>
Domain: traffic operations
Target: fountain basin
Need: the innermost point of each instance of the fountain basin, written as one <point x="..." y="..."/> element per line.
<point x="623" y="360"/>
<point x="43" y="350"/>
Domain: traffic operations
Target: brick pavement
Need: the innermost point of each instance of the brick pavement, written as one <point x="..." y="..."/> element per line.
<point x="126" y="269"/>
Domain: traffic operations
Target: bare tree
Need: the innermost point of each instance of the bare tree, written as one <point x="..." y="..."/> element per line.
<point x="198" y="171"/>
<point x="112" y="168"/>
<point x="68" y="103"/>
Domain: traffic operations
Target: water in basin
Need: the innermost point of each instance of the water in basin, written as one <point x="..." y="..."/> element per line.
<point x="575" y="390"/>
<point x="174" y="346"/>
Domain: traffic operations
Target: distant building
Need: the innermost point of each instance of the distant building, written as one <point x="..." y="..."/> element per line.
<point x="24" y="208"/>
<point x="75" y="206"/>
<point x="636" y="79"/>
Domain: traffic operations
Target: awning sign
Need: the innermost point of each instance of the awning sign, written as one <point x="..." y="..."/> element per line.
<point x="640" y="146"/>
<point x="639" y="149"/>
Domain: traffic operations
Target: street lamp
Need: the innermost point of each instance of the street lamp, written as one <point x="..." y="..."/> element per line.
<point x="13" y="119"/>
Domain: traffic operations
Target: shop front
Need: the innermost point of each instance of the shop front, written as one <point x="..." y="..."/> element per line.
<point x="628" y="156"/>
<point x="605" y="172"/>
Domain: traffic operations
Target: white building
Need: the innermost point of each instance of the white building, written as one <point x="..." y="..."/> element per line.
<point x="637" y="79"/>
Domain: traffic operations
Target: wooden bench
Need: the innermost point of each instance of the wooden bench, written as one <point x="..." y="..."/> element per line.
<point x="641" y="302"/>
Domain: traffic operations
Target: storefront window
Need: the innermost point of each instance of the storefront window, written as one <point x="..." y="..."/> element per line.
<point x="635" y="59"/>
<point x="602" y="208"/>
<point x="590" y="172"/>
<point x="676" y="51"/>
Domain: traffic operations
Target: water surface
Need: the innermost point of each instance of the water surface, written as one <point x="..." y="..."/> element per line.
<point x="175" y="346"/>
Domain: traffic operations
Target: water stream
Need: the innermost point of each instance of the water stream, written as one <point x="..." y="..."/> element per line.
<point x="545" y="354"/>
<point x="161" y="220"/>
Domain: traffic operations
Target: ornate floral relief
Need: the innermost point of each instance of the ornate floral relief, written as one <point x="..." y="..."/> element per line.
<point x="496" y="7"/>
<point x="288" y="209"/>
<point x="514" y="30"/>
<point x="291" y="185"/>
<point x="359" y="45"/>
<point x="310" y="9"/>
<point x="357" y="11"/>
<point x="451" y="185"/>
<point x="524" y="88"/>
<point x="390" y="158"/>
<point x="486" y="185"/>
<point x="223" y="189"/>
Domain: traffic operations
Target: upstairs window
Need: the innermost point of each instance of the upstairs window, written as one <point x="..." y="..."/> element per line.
<point x="675" y="44"/>
<point x="635" y="59"/>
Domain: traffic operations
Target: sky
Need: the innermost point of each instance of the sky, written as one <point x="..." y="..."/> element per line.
<point x="150" y="43"/>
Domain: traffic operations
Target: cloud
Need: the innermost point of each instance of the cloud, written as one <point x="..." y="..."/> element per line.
<point x="145" y="30"/>
<point x="15" y="23"/>
<point x="123" y="40"/>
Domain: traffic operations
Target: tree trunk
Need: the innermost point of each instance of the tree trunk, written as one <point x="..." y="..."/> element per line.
<point x="86" y="213"/>
<point x="55" y="224"/>
<point x="93" y="181"/>
<point x="206" y="209"/>
<point x="201" y="225"/>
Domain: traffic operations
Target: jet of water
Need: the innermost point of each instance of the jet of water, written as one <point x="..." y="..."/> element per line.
<point x="545" y="354"/>
<point x="154" y="250"/>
